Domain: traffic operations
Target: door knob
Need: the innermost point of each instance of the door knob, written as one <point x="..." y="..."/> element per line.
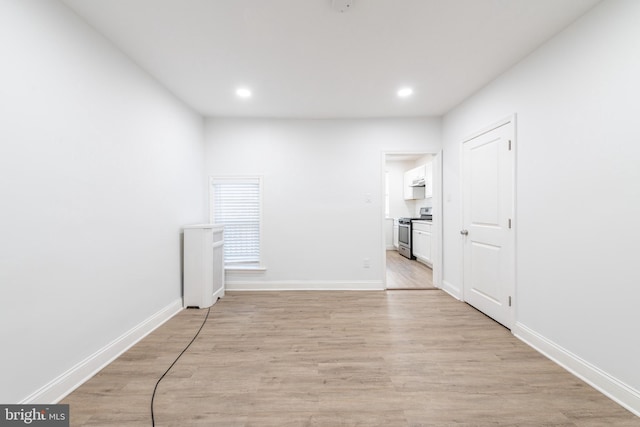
<point x="464" y="232"/>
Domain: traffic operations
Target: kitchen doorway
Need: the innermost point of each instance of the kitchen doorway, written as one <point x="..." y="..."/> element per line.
<point x="412" y="187"/>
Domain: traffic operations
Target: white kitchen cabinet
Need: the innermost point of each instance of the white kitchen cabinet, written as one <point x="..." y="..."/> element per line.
<point x="388" y="233"/>
<point x="395" y="233"/>
<point x="410" y="192"/>
<point x="422" y="241"/>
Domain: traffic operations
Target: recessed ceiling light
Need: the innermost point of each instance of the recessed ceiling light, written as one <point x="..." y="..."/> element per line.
<point x="243" y="92"/>
<point x="405" y="92"/>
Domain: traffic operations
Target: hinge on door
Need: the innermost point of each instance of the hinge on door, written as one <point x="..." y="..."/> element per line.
<point x="509" y="222"/>
<point x="509" y="145"/>
<point x="509" y="301"/>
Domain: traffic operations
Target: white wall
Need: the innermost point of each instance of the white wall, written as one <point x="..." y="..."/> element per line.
<point x="99" y="169"/>
<point x="317" y="173"/>
<point x="398" y="206"/>
<point x="577" y="101"/>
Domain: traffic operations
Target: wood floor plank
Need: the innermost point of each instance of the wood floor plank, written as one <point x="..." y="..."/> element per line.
<point x="403" y="273"/>
<point x="392" y="358"/>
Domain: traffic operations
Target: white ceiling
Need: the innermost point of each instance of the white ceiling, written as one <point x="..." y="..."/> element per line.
<point x="301" y="58"/>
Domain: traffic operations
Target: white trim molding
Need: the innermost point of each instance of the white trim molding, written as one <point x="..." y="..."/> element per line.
<point x="305" y="285"/>
<point x="218" y="294"/>
<point x="452" y="290"/>
<point x="616" y="390"/>
<point x="64" y="384"/>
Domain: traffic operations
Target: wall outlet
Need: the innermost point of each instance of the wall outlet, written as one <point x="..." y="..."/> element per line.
<point x="366" y="263"/>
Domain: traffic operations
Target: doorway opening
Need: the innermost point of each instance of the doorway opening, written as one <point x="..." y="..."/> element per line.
<point x="412" y="192"/>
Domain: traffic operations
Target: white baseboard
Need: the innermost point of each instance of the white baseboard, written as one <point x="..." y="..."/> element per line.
<point x="60" y="387"/>
<point x="305" y="285"/>
<point x="452" y="290"/>
<point x="218" y="294"/>
<point x="611" y="387"/>
<point x="425" y="262"/>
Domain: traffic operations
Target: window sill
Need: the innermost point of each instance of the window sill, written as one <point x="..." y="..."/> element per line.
<point x="245" y="268"/>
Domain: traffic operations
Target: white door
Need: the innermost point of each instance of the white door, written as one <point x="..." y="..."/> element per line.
<point x="488" y="234"/>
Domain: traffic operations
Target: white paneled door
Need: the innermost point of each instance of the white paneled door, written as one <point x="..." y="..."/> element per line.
<point x="488" y="233"/>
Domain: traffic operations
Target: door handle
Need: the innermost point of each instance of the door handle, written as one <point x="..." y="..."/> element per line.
<point x="464" y="232"/>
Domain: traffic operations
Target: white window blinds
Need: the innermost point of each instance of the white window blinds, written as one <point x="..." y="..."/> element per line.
<point x="236" y="204"/>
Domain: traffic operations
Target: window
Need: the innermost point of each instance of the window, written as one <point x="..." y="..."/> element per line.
<point x="236" y="203"/>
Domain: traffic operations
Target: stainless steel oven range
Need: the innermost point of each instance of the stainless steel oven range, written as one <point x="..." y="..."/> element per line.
<point x="405" y="230"/>
<point x="404" y="237"/>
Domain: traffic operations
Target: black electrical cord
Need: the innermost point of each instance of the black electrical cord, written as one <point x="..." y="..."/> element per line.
<point x="153" y="396"/>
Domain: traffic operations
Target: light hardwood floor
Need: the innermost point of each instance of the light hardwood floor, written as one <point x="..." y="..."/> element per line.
<point x="385" y="358"/>
<point x="403" y="273"/>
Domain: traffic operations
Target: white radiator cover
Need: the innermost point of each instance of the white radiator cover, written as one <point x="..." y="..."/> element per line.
<point x="203" y="265"/>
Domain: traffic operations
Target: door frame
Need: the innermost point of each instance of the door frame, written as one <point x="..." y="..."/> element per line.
<point x="514" y="240"/>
